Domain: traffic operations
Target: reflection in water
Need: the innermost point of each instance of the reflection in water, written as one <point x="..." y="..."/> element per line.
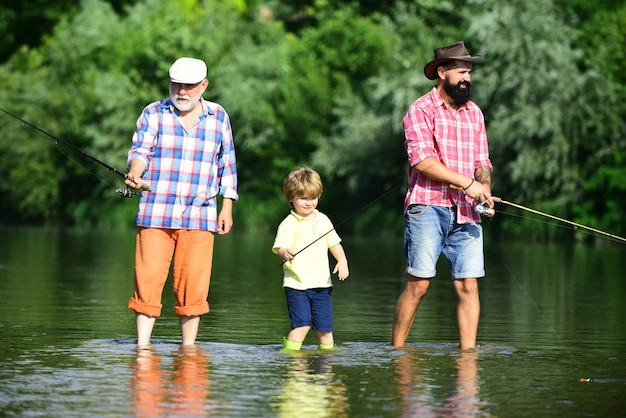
<point x="183" y="391"/>
<point x="147" y="384"/>
<point x="311" y="389"/>
<point x="416" y="398"/>
<point x="466" y="401"/>
<point x="68" y="342"/>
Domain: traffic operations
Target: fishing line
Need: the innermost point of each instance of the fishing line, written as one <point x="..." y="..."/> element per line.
<point x="122" y="191"/>
<point x="567" y="349"/>
<point x="532" y="301"/>
<point x="345" y="220"/>
<point x="574" y="224"/>
<point x="519" y="283"/>
<point x="74" y="160"/>
<point x="485" y="210"/>
<point x="569" y="228"/>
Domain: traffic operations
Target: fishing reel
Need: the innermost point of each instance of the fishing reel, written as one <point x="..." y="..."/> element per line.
<point x="126" y="191"/>
<point x="484" y="210"/>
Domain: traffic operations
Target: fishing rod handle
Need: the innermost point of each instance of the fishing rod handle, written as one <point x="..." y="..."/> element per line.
<point x="144" y="186"/>
<point x="128" y="191"/>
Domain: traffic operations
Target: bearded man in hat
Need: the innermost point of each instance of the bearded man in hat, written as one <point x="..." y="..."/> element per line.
<point x="182" y="157"/>
<point x="449" y="174"/>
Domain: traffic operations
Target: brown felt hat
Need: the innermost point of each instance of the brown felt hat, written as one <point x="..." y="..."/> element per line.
<point x="452" y="52"/>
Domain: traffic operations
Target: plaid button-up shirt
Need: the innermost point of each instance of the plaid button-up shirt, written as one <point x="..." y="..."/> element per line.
<point x="457" y="139"/>
<point x="185" y="169"/>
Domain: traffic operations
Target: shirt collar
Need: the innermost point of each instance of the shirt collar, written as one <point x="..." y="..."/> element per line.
<point x="438" y="101"/>
<point x="206" y="106"/>
<point x="304" y="218"/>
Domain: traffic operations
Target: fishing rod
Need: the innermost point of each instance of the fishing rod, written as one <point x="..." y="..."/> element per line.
<point x="574" y="224"/>
<point x="122" y="191"/>
<point x="485" y="210"/>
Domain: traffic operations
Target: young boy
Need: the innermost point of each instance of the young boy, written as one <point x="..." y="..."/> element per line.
<point x="302" y="243"/>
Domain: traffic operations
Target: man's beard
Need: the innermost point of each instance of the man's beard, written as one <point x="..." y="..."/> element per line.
<point x="184" y="107"/>
<point x="458" y="94"/>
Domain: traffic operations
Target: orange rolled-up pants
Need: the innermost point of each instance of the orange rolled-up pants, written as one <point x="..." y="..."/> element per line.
<point x="192" y="252"/>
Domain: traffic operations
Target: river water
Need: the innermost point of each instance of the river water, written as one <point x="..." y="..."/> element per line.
<point x="551" y="315"/>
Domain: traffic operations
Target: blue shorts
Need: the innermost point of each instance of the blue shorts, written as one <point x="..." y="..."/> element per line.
<point x="311" y="307"/>
<point x="432" y="230"/>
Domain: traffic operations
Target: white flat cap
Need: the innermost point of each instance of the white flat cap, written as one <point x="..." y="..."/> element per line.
<point x="187" y="71"/>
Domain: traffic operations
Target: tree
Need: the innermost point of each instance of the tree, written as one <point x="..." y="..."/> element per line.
<point x="363" y="151"/>
<point x="550" y="111"/>
<point x="26" y="23"/>
<point x="328" y="90"/>
<point x="285" y="94"/>
<point x="603" y="37"/>
<point x="87" y="84"/>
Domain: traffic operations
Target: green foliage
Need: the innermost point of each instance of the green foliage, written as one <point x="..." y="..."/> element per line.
<point x="325" y="84"/>
<point x="27" y="23"/>
<point x="604" y="201"/>
<point x="363" y="152"/>
<point x="87" y="85"/>
<point x="250" y="89"/>
<point x="605" y="197"/>
<point x="588" y="9"/>
<point x="282" y="94"/>
<point x="604" y="36"/>
<point x="551" y="115"/>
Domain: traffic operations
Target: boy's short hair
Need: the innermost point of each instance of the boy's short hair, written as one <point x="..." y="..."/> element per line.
<point x="302" y="182"/>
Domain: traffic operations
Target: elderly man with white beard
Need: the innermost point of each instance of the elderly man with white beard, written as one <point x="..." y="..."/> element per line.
<point x="183" y="148"/>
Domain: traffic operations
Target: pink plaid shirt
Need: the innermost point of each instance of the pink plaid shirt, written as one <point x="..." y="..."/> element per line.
<point x="456" y="139"/>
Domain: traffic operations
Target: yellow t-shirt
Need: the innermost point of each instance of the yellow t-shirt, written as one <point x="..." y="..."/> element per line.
<point x="310" y="268"/>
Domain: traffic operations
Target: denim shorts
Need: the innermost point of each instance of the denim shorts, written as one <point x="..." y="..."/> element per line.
<point x="310" y="307"/>
<point x="432" y="230"/>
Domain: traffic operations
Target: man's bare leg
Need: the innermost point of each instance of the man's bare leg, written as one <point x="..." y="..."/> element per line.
<point x="189" y="326"/>
<point x="468" y="311"/>
<point x="406" y="308"/>
<point x="145" y="324"/>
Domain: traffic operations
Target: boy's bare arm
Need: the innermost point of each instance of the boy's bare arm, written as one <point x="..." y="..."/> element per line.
<point x="341" y="268"/>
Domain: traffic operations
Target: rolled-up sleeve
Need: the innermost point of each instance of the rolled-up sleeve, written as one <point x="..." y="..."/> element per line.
<point x="418" y="130"/>
<point x="482" y="152"/>
<point x="145" y="136"/>
<point x="228" y="163"/>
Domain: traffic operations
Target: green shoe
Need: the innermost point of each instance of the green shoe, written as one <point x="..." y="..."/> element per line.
<point x="290" y="346"/>
<point x="327" y="347"/>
